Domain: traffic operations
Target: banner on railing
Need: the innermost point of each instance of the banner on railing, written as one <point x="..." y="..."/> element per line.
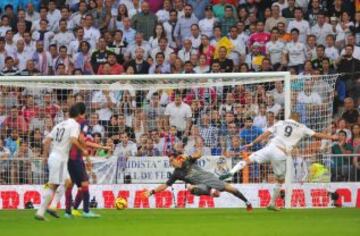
<point x="303" y="196"/>
<point x="114" y="169"/>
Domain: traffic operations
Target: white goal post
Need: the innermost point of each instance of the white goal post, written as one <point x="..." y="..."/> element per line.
<point x="224" y="82"/>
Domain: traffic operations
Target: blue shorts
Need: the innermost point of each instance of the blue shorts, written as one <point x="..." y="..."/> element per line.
<point x="77" y="172"/>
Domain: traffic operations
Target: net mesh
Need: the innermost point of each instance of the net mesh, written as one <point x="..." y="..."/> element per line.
<point x="137" y="119"/>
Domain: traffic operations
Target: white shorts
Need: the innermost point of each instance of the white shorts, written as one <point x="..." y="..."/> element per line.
<point x="275" y="156"/>
<point x="58" y="171"/>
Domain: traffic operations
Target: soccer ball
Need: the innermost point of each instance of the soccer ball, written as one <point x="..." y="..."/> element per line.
<point x="121" y="203"/>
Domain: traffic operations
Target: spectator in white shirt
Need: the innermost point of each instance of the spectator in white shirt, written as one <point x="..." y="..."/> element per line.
<point x="63" y="37"/>
<point x="10" y="45"/>
<point x="308" y="96"/>
<point x="321" y="29"/>
<point x="179" y="114"/>
<point x="53" y="15"/>
<point x="43" y="34"/>
<point x="4" y="25"/>
<point x="351" y="40"/>
<point x="126" y="148"/>
<point x="31" y="14"/>
<point x="42" y="16"/>
<point x="30" y="45"/>
<point x="91" y="34"/>
<point x="163" y="15"/>
<point x="139" y="42"/>
<point x="331" y="51"/>
<point x="238" y="51"/>
<point x="274" y="48"/>
<point x="185" y="53"/>
<point x="195" y="36"/>
<point x="207" y="24"/>
<point x="163" y="47"/>
<point x="20" y="55"/>
<point x="300" y="24"/>
<point x="78" y="15"/>
<point x="159" y="32"/>
<point x="103" y="102"/>
<point x="278" y="93"/>
<point x="295" y="52"/>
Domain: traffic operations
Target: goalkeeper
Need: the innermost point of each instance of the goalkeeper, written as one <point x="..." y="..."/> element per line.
<point x="198" y="181"/>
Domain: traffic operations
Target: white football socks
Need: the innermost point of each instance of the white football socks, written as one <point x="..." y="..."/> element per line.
<point x="45" y="202"/>
<point x="57" y="197"/>
<point x="276" y="193"/>
<point x="239" y="166"/>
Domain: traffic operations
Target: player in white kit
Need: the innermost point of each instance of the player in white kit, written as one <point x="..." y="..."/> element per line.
<point x="287" y="133"/>
<point x="61" y="138"/>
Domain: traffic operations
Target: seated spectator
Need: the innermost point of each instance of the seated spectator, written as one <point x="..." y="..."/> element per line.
<point x="197" y="146"/>
<point x="30" y="69"/>
<point x="103" y="102"/>
<point x="126" y="148"/>
<point x="185" y="53"/>
<point x="169" y="140"/>
<point x="12" y="142"/>
<point x="9" y="68"/>
<point x="255" y="57"/>
<point x="308" y="96"/>
<point x="94" y="126"/>
<point x="203" y="66"/>
<point x="4" y="164"/>
<point x="16" y="121"/>
<point x="123" y="127"/>
<point x="340" y="170"/>
<point x="226" y="134"/>
<point x="207" y="23"/>
<point x="140" y="65"/>
<point x="160" y="66"/>
<point x="100" y="56"/>
<point x="260" y="119"/>
<point x="350" y="114"/>
<point x="164" y="48"/>
<point x="148" y="150"/>
<point x="342" y="126"/>
<point x="295" y="52"/>
<point x="226" y="64"/>
<point x="249" y="133"/>
<point x="115" y="67"/>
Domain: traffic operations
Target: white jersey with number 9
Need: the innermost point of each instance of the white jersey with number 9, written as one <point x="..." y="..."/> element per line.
<point x="287" y="133"/>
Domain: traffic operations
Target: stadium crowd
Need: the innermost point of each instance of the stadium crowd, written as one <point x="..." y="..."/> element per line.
<point x="305" y="37"/>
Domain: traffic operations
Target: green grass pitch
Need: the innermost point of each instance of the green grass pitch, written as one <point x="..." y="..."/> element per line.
<point x="187" y="222"/>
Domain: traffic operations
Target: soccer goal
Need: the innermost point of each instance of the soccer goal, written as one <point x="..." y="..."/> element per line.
<point x="225" y="110"/>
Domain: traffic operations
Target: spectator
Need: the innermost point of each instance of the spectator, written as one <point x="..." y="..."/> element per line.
<point x="289" y="11"/>
<point x="169" y="27"/>
<point x="249" y="133"/>
<point x="260" y="119"/>
<point x="207" y="24"/>
<point x="115" y="67"/>
<point x="311" y="47"/>
<point x="139" y="42"/>
<point x="9" y="69"/>
<point x="64" y="59"/>
<point x="284" y="36"/>
<point x="42" y="59"/>
<point x="198" y="146"/>
<point x="164" y="48"/>
<point x="12" y="143"/>
<point x="91" y="34"/>
<point x="203" y="66"/>
<point x="331" y="51"/>
<point x="182" y="30"/>
<point x="238" y="52"/>
<point x="123" y="127"/>
<point x="321" y="29"/>
<point x="103" y="102"/>
<point x="5" y="27"/>
<point x="350" y="114"/>
<point x="144" y="22"/>
<point x="82" y="59"/>
<point x="63" y="37"/>
<point x="260" y="37"/>
<point x="300" y="24"/>
<point x="195" y="36"/>
<point x="170" y="139"/>
<point x="179" y="114"/>
<point x="274" y="49"/>
<point x="320" y="55"/>
<point x="126" y="148"/>
<point x="295" y="52"/>
<point x="148" y="150"/>
<point x="347" y="65"/>
<point x="160" y="66"/>
<point x="99" y="56"/>
<point x="220" y="8"/>
<point x="274" y="19"/>
<point x="228" y="20"/>
<point x="163" y="15"/>
<point x="340" y="172"/>
<point x="208" y="132"/>
<point x="226" y="64"/>
<point x="159" y="32"/>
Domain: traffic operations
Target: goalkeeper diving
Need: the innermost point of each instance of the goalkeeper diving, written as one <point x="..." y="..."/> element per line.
<point x="198" y="181"/>
<point x="287" y="133"/>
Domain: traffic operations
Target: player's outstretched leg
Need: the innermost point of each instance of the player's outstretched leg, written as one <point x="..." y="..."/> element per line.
<point x="231" y="189"/>
<point x="49" y="191"/>
<point x="239" y="166"/>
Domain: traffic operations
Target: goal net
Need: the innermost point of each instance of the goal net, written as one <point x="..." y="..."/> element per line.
<point x="141" y="117"/>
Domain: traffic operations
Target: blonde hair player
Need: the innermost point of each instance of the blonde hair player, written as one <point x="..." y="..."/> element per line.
<point x="287" y="133"/>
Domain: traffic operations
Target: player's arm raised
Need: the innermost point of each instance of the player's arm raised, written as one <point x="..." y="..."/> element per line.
<point x="325" y="136"/>
<point x="261" y="137"/>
